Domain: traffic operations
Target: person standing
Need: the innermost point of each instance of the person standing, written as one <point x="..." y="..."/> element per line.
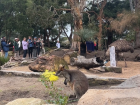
<point x="30" y="47"/>
<point x="58" y="45"/>
<point x="19" y="45"/>
<point x="95" y="45"/>
<point x="34" y="48"/>
<point x="2" y="54"/>
<point x="5" y="46"/>
<point x="43" y="49"/>
<point x="25" y="47"/>
<point x="38" y="46"/>
<point x="16" y="48"/>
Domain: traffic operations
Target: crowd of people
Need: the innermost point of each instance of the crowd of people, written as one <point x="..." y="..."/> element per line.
<point x="30" y="46"/>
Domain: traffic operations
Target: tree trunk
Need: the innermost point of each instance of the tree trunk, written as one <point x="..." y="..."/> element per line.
<point x="100" y="34"/>
<point x="45" y="35"/>
<point x="110" y="37"/>
<point x="131" y="5"/>
<point x="138" y="39"/>
<point x="137" y="8"/>
<point x="77" y="7"/>
<point x="100" y="24"/>
<point x="48" y="42"/>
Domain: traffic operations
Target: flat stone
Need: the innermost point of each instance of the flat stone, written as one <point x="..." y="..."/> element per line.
<point x="96" y="80"/>
<point x="112" y="69"/>
<point x="111" y="97"/>
<point x="27" y="101"/>
<point x="132" y="82"/>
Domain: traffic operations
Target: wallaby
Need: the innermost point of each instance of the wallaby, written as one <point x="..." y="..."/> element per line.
<point x="76" y="79"/>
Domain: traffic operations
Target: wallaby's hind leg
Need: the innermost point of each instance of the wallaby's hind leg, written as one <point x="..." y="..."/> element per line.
<point x="77" y="90"/>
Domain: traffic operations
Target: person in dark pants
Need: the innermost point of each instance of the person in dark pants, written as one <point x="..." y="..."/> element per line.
<point x="83" y="49"/>
<point x="34" y="48"/>
<point x="25" y="47"/>
<point x="38" y="46"/>
<point x="16" y="49"/>
<point x="30" y="47"/>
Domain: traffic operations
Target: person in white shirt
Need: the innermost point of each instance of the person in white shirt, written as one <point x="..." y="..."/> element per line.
<point x="58" y="45"/>
<point x="19" y="45"/>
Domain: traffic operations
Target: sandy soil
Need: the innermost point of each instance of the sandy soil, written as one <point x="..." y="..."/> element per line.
<point x="132" y="70"/>
<point x="19" y="87"/>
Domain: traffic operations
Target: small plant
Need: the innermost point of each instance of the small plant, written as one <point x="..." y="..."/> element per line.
<point x="86" y="34"/>
<point x="47" y="78"/>
<point x="3" y="60"/>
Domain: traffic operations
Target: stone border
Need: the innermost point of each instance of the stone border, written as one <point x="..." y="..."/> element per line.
<point x="19" y="73"/>
<point x="93" y="79"/>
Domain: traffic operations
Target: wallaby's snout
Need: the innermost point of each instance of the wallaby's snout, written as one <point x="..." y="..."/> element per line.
<point x="58" y="73"/>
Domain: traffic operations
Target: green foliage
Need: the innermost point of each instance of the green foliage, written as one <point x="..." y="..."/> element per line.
<point x="86" y="34"/>
<point x="55" y="93"/>
<point x="3" y="60"/>
<point x="114" y="7"/>
<point x="130" y="36"/>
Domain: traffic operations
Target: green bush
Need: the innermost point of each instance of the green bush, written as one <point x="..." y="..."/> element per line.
<point x="3" y="60"/>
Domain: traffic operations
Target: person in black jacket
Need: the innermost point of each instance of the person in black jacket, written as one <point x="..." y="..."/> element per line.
<point x="34" y="48"/>
<point x="38" y="46"/>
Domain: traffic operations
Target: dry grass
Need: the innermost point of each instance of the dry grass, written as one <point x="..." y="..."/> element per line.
<point x="124" y="20"/>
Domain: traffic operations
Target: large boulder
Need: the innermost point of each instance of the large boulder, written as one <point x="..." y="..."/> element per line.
<point x="127" y="93"/>
<point x="50" y="63"/>
<point x="27" y="101"/>
<point x="111" y="97"/>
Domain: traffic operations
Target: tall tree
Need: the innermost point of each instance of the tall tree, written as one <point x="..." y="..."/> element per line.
<point x="77" y="7"/>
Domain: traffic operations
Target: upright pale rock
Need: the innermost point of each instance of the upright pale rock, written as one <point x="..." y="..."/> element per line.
<point x="112" y="57"/>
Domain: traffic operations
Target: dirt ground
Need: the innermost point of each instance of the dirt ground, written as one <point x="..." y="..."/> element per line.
<point x="12" y="88"/>
<point x="20" y="87"/>
<point x="127" y="72"/>
<point x="132" y="69"/>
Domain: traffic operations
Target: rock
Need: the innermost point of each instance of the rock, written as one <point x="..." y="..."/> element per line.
<point x="137" y="57"/>
<point x="47" y="63"/>
<point x="24" y="62"/>
<point x="112" y="69"/>
<point x="27" y="101"/>
<point x="111" y="97"/>
<point x="57" y="52"/>
<point x="10" y="64"/>
<point x="127" y="93"/>
<point x="97" y="70"/>
<point x="67" y="57"/>
<point x="10" y="53"/>
<point x="132" y="82"/>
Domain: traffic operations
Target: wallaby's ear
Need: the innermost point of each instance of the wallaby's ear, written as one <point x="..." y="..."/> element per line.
<point x="61" y="67"/>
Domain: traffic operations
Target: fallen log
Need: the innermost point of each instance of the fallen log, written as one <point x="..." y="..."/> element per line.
<point x="50" y="63"/>
<point x="81" y="61"/>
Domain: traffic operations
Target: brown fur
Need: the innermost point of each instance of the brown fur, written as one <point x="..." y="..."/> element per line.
<point x="76" y="79"/>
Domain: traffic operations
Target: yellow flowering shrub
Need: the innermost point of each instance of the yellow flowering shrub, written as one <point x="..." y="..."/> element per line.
<point x="50" y="75"/>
